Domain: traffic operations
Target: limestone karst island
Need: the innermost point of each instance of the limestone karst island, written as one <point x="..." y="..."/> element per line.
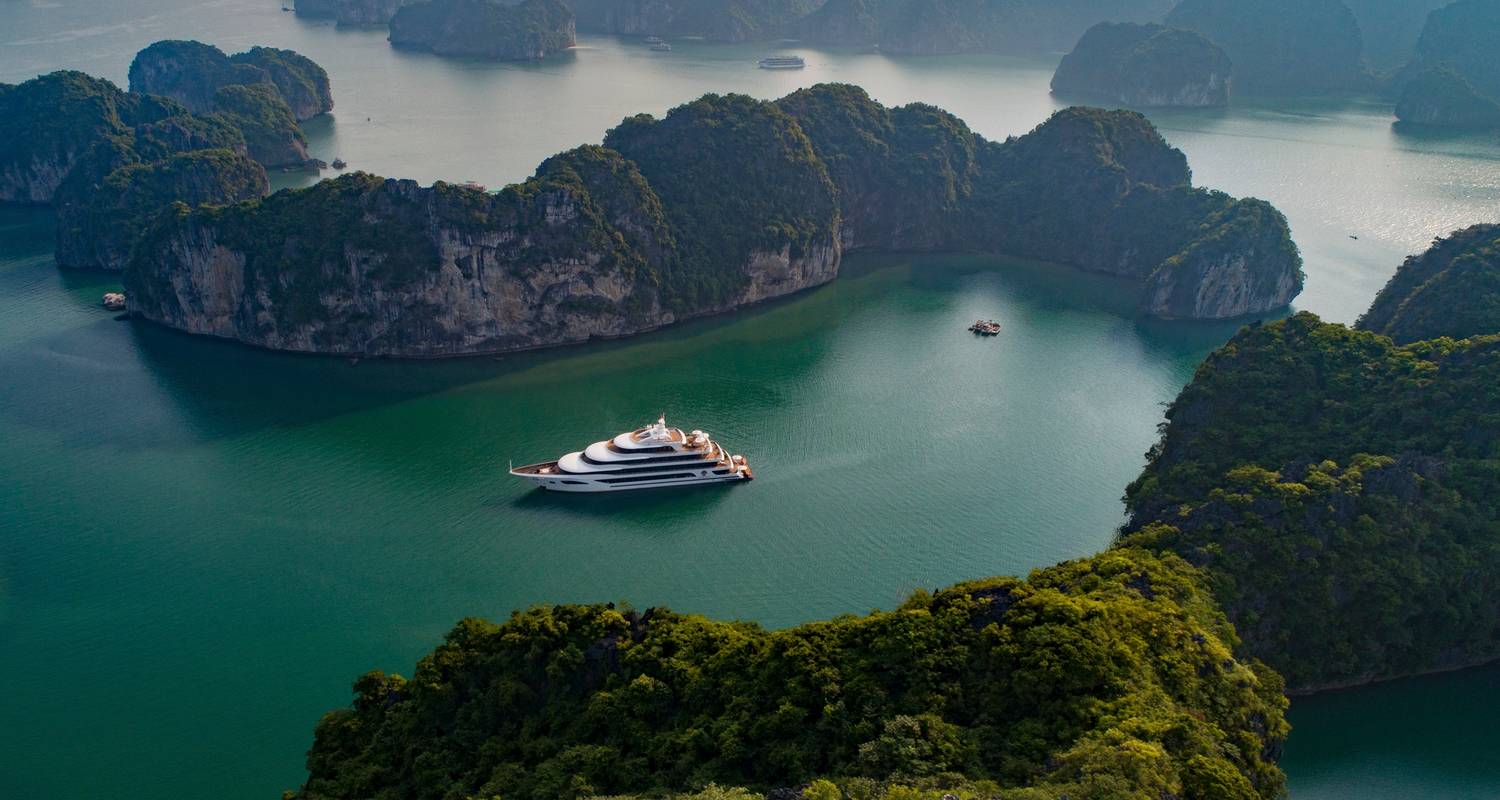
<point x="750" y="399"/>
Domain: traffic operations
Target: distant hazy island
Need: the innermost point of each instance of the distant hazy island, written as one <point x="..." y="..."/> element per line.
<point x="1282" y="47"/>
<point x="1335" y="493"/>
<point x="1145" y="66"/>
<point x="1453" y="80"/>
<point x="726" y="201"/>
<point x="896" y="26"/>
<point x="528" y="30"/>
<point x="201" y="127"/>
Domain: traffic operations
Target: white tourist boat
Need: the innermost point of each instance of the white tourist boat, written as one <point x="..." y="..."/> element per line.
<point x="648" y="458"/>
<point x="782" y="62"/>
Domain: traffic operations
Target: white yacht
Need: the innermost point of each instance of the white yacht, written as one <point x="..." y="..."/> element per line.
<point x="782" y="62"/>
<point x="647" y="458"/>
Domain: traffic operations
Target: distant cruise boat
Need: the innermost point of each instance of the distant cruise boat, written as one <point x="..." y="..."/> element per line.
<point x="782" y="62"/>
<point x="647" y="458"/>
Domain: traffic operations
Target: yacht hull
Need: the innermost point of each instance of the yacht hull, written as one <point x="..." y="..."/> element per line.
<point x="572" y="484"/>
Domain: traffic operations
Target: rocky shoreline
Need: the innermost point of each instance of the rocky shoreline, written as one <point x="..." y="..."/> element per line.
<point x="637" y="234"/>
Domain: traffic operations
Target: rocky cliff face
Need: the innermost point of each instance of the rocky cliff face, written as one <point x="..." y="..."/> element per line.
<point x="189" y="72"/>
<point x="264" y="92"/>
<point x="1282" y="47"/>
<point x="576" y="253"/>
<point x="352" y="12"/>
<point x="1242" y="263"/>
<point x="192" y="73"/>
<point x="99" y="222"/>
<point x="528" y="31"/>
<point x="48" y="123"/>
<point x="1451" y="290"/>
<point x="1145" y="66"/>
<point x="723" y="202"/>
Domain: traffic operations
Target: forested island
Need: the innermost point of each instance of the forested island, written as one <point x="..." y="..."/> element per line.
<point x="1453" y="81"/>
<point x="1145" y="66"/>
<point x="1332" y="491"/>
<point x="110" y="161"/>
<point x="524" y="31"/>
<point x="724" y="202"/>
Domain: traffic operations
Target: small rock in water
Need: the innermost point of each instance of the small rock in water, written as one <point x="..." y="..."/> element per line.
<point x="114" y="301"/>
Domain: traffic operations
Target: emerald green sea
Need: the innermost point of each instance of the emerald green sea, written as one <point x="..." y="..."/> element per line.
<point x="201" y="544"/>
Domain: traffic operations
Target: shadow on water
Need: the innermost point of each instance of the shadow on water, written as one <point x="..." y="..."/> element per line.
<point x="652" y="509"/>
<point x="138" y="385"/>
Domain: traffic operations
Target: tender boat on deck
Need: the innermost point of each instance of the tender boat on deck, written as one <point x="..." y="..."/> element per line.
<point x="651" y="457"/>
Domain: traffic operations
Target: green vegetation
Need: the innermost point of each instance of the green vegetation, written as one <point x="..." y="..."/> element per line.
<point x="528" y="30"/>
<point x="193" y="73"/>
<point x="1145" y="65"/>
<point x="189" y="72"/>
<point x="299" y="79"/>
<point x="1451" y="290"/>
<point x="271" y="133"/>
<point x="724" y="201"/>
<point x="1337" y="566"/>
<point x="737" y="176"/>
<point x="100" y="221"/>
<point x="355" y="261"/>
<point x="48" y="123"/>
<point x="109" y="161"/>
<point x="1282" y="47"/>
<point x="1107" y="677"/>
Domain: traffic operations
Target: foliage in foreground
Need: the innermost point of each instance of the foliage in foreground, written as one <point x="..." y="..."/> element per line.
<point x="1112" y="676"/>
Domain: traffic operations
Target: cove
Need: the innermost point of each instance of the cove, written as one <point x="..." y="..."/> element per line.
<point x="201" y="545"/>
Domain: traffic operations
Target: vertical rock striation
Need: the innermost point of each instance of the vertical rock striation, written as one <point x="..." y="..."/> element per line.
<point x="723" y="202"/>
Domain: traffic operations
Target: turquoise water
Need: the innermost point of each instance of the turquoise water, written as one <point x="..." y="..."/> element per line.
<point x="201" y="544"/>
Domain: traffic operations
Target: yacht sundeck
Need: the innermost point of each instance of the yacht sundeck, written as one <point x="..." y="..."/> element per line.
<point x="647" y="458"/>
<point x="782" y="62"/>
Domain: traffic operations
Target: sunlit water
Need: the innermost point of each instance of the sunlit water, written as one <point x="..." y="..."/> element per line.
<point x="202" y="544"/>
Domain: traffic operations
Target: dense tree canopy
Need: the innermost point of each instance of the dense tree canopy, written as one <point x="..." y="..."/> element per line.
<point x="1451" y="290"/>
<point x="1338" y="566"/>
<point x="1107" y="677"/>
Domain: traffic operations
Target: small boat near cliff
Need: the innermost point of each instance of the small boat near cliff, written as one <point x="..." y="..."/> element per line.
<point x="782" y="62"/>
<point x="652" y="457"/>
<point x="661" y="47"/>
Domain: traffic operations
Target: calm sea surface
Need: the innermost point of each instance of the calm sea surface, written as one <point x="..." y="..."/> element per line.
<point x="201" y="545"/>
